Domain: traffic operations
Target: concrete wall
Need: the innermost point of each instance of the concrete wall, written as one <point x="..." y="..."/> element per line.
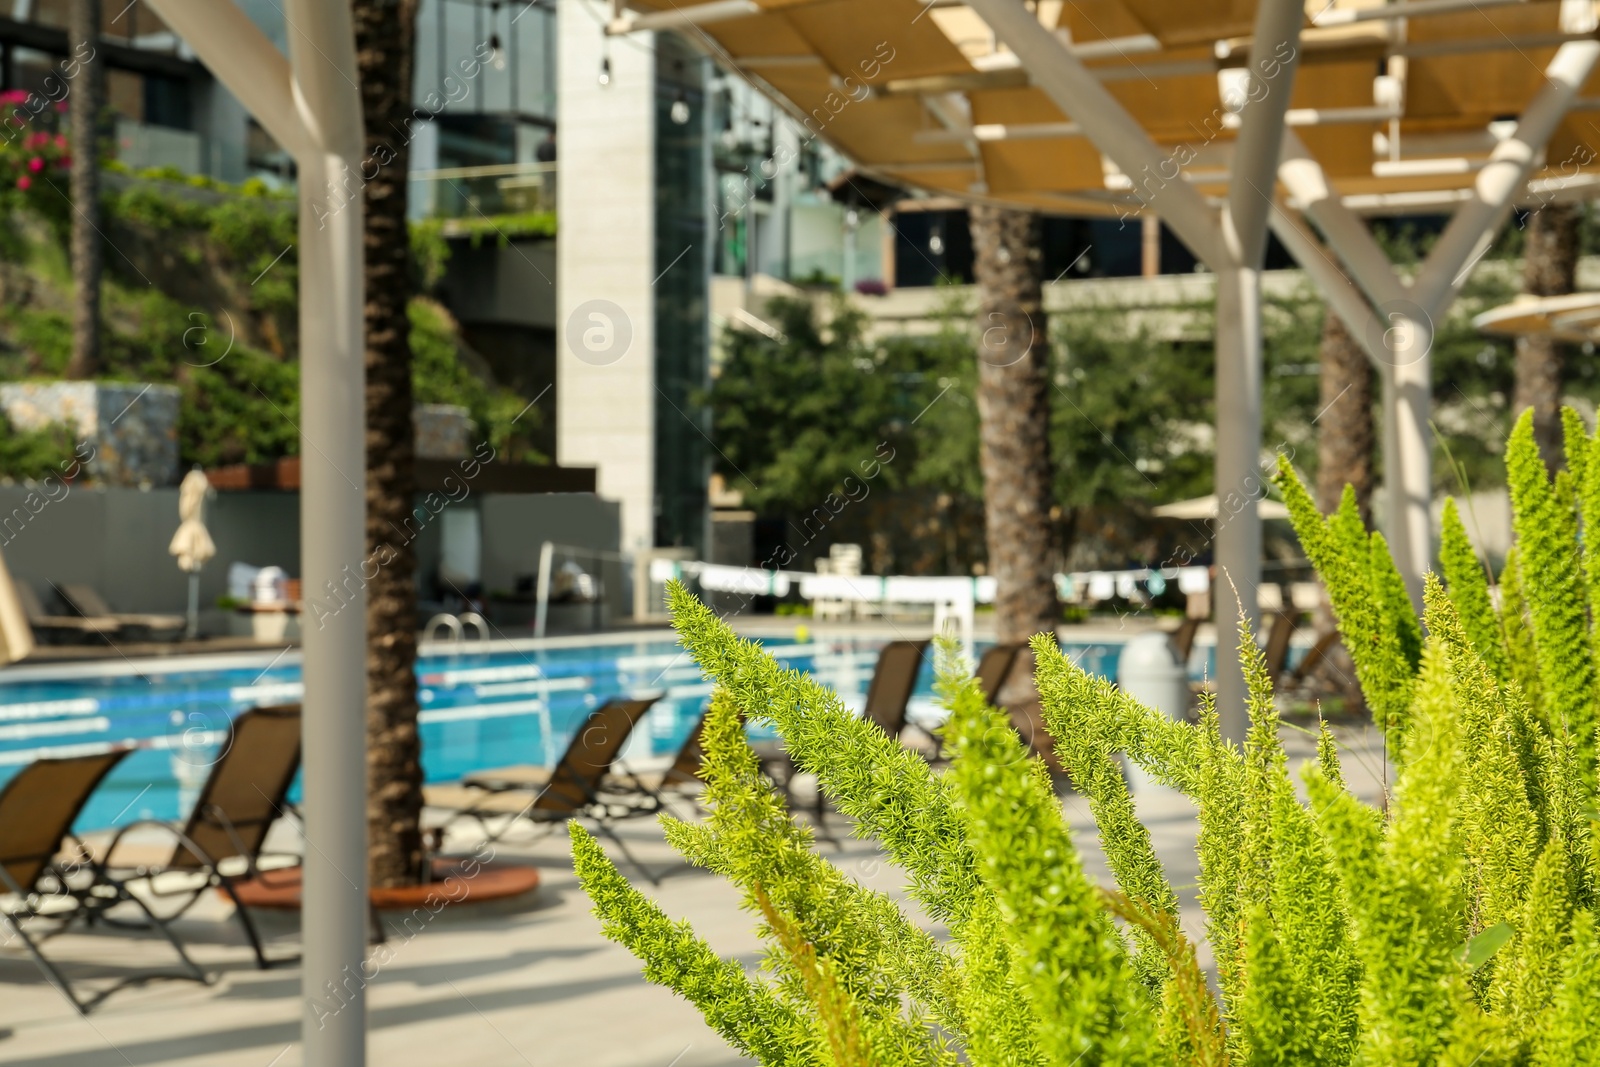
<point x="116" y="539"/>
<point x="605" y="323"/>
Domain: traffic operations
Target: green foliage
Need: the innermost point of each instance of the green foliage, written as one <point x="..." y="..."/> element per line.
<point x="34" y="454"/>
<point x="209" y="302"/>
<point x="1454" y="926"/>
<point x="440" y="376"/>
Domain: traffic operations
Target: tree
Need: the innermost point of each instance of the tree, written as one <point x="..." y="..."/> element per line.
<point x="1550" y="267"/>
<point x="385" y="33"/>
<point x="88" y="91"/>
<point x="1345" y="435"/>
<point x="1014" y="417"/>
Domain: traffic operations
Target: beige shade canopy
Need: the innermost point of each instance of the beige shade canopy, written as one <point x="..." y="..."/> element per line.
<point x="1399" y="112"/>
<point x="1205" y="508"/>
<point x="16" y="636"/>
<point x="1574" y="317"/>
<point x="192" y="544"/>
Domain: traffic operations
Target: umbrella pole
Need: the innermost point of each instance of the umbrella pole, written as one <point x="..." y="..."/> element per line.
<point x="194" y="605"/>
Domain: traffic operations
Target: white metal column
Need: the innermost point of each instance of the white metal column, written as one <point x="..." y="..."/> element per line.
<point x="312" y="106"/>
<point x="1238" y="482"/>
<point x="1408" y="312"/>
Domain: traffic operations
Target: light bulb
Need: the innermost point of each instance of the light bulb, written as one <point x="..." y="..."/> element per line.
<point x="605" y="70"/>
<point x="497" y="56"/>
<point x="680" y="111"/>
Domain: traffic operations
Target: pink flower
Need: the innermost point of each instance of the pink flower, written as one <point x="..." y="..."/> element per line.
<point x="36" y="164"/>
<point x="24" y="181"/>
<point x="61" y="140"/>
<point x="61" y="107"/>
<point x="13" y="96"/>
<point x="37" y="140"/>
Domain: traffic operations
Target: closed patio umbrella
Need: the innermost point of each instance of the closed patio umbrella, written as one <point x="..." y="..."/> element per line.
<point x="192" y="544"/>
<point x="16" y="636"/>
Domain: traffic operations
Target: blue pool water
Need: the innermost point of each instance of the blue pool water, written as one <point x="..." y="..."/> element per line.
<point x="507" y="705"/>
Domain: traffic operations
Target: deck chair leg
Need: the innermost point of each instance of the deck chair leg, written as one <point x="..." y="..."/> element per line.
<point x="52" y="973"/>
<point x="249" y="924"/>
<point x="193" y="968"/>
<point x="604" y="826"/>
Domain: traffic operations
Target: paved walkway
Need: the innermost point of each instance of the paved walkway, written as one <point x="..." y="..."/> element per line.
<point x="532" y="984"/>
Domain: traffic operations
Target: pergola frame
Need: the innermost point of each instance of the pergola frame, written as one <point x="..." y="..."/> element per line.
<point x="1220" y="198"/>
<point x="311" y="104"/>
<point x="1231" y="240"/>
<point x="1392" y="316"/>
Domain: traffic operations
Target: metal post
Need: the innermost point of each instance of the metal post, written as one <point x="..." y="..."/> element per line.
<point x="541" y="598"/>
<point x="1238" y="482"/>
<point x="332" y="535"/>
<point x="1411" y="486"/>
<point x="311" y="105"/>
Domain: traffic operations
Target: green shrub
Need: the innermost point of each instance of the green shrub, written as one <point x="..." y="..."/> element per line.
<point x="1454" y="927"/>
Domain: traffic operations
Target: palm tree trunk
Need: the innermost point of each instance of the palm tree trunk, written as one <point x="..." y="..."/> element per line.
<point x="1550" y="268"/>
<point x="1345" y="430"/>
<point x="87" y="95"/>
<point x="385" y="32"/>
<point x="1014" y="419"/>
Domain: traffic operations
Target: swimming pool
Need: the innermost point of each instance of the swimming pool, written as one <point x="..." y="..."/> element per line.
<point x="512" y="702"/>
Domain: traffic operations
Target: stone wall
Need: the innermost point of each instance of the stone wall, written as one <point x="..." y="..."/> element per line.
<point x="133" y="427"/>
<point x="444" y="431"/>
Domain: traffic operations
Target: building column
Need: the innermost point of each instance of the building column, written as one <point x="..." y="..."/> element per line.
<point x="605" y="260"/>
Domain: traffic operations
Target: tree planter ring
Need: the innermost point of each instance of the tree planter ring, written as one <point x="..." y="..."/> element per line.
<point x="452" y="884"/>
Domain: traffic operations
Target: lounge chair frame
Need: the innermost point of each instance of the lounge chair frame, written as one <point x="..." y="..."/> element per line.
<point x="211" y="836"/>
<point x="81" y="890"/>
<point x="568" y="791"/>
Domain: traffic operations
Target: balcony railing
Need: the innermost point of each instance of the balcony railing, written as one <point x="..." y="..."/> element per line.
<point x="471" y="194"/>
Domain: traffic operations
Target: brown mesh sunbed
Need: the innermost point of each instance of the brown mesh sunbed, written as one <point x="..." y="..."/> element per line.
<point x="994" y="667"/>
<point x="573" y="788"/>
<point x="57" y="626"/>
<point x="894" y="679"/>
<point x="1183" y="638"/>
<point x="37" y="809"/>
<point x="246" y="792"/>
<point x="1278" y="638"/>
<point x="682" y="776"/>
<point x="87" y="601"/>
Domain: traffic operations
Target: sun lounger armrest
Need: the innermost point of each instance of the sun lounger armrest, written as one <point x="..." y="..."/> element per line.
<point x="106" y="864"/>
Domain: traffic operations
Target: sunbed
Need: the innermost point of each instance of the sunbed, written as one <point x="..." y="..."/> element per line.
<point x="549" y="796"/>
<point x="40" y="886"/>
<point x="87" y="601"/>
<point x="222" y="841"/>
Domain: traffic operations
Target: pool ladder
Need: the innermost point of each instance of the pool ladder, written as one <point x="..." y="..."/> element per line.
<point x="456" y="626"/>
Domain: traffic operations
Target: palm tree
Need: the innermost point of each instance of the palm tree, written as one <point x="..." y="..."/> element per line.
<point x="1550" y="268"/>
<point x="1014" y="417"/>
<point x="88" y="91"/>
<point x="1345" y="433"/>
<point x="385" y="33"/>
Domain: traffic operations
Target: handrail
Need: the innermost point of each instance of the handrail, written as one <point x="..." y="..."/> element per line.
<point x="449" y="622"/>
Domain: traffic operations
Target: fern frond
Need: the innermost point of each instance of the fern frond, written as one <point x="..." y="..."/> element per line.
<point x="1469" y="591"/>
<point x="1569" y="1034"/>
<point x="859" y="938"/>
<point x="1544" y="518"/>
<point x="1067" y="953"/>
<point x="1374" y="616"/>
<point x="746" y="1013"/>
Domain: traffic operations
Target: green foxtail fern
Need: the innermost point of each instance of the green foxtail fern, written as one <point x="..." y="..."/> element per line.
<point x="1454" y="926"/>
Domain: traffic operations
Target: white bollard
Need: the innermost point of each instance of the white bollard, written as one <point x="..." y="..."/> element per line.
<point x="1150" y="673"/>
